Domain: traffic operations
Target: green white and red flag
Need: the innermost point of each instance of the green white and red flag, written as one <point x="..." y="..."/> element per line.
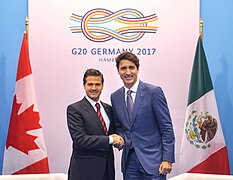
<point x="203" y="148"/>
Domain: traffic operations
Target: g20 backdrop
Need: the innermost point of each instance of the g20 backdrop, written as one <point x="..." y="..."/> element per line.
<point x="67" y="37"/>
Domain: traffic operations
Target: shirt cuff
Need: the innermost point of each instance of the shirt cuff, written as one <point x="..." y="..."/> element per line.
<point x="110" y="140"/>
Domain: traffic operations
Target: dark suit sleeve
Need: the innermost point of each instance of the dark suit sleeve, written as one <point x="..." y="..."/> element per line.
<point x="165" y="124"/>
<point x="78" y="132"/>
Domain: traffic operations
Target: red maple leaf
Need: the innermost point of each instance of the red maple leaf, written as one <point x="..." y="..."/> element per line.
<point x="19" y="125"/>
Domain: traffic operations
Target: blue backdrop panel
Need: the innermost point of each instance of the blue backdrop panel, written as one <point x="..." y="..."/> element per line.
<point x="12" y="26"/>
<point x="217" y="38"/>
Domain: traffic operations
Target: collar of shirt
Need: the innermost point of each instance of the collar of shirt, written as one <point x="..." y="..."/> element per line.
<point x="93" y="103"/>
<point x="134" y="89"/>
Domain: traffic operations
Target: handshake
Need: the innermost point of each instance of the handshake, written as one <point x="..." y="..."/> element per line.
<point x="118" y="141"/>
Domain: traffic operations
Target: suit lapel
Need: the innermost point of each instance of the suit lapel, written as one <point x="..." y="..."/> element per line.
<point x="107" y="110"/>
<point x="138" y="100"/>
<point x="90" y="110"/>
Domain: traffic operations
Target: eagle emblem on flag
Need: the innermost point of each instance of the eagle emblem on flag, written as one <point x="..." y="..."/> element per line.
<point x="200" y="129"/>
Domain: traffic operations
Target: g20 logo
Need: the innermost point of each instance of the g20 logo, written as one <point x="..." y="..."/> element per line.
<point x="126" y="25"/>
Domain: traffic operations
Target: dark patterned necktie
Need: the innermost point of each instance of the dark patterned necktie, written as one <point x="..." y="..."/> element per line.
<point x="129" y="101"/>
<point x="101" y="118"/>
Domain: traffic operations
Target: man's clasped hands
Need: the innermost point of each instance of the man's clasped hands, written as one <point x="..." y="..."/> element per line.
<point x="118" y="141"/>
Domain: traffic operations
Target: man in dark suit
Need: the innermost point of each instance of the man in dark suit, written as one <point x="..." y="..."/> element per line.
<point x="91" y="129"/>
<point x="143" y="120"/>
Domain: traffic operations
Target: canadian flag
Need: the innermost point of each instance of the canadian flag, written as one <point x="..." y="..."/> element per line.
<point x="25" y="151"/>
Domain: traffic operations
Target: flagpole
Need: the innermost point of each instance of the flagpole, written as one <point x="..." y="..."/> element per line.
<point x="201" y="27"/>
<point x="200" y="22"/>
<point x="26" y="24"/>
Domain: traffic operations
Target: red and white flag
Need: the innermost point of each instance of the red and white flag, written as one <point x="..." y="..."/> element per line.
<point x="203" y="148"/>
<point x="25" y="151"/>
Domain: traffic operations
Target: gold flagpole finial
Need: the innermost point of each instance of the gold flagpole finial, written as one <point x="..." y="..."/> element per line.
<point x="26" y="24"/>
<point x="201" y="27"/>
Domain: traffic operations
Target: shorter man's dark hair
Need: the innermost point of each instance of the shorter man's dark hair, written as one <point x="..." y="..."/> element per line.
<point x="92" y="72"/>
<point x="127" y="56"/>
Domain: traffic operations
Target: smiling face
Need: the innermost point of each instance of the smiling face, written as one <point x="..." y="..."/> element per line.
<point x="93" y="87"/>
<point x="128" y="73"/>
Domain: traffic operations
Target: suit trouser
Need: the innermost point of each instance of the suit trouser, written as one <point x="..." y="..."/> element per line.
<point x="135" y="171"/>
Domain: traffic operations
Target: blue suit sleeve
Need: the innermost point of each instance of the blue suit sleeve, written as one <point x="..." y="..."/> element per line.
<point x="162" y="113"/>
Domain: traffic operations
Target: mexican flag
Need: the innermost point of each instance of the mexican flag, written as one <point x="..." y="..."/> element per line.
<point x="25" y="151"/>
<point x="203" y="148"/>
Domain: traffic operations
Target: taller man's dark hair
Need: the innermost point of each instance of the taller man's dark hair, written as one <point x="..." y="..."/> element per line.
<point x="127" y="56"/>
<point x="92" y="72"/>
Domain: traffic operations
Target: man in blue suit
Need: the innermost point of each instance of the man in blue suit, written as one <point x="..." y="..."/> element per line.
<point x="142" y="118"/>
